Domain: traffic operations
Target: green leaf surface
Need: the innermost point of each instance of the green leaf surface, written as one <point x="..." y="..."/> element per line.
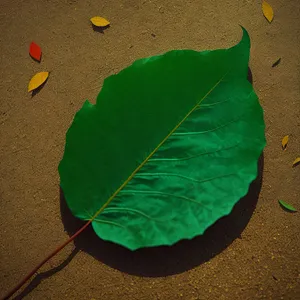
<point x="287" y="206"/>
<point x="170" y="147"/>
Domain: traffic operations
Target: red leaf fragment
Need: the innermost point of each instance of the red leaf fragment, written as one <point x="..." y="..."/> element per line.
<point x="35" y="51"/>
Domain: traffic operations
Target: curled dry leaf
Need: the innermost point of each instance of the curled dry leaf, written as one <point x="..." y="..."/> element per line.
<point x="287" y="206"/>
<point x="284" y="142"/>
<point x="37" y="80"/>
<point x="35" y="51"/>
<point x="276" y="63"/>
<point x="296" y="162"/>
<point x="99" y="21"/>
<point x="267" y="11"/>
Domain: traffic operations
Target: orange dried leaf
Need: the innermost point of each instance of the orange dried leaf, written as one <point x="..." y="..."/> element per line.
<point x="37" y="80"/>
<point x="99" y="21"/>
<point x="296" y="162"/>
<point x="284" y="142"/>
<point x="267" y="11"/>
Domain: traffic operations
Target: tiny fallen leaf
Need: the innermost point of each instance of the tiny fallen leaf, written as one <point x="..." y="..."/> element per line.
<point x="276" y="63"/>
<point x="267" y="11"/>
<point x="284" y="142"/>
<point x="35" y="51"/>
<point x="287" y="206"/>
<point x="99" y="21"/>
<point x="296" y="162"/>
<point x="37" y="80"/>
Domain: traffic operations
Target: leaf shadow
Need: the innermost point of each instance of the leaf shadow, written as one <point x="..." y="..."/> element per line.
<point x="296" y="164"/>
<point x="36" y="60"/>
<point x="249" y="76"/>
<point x="100" y="29"/>
<point x="168" y="260"/>
<point x="44" y="275"/>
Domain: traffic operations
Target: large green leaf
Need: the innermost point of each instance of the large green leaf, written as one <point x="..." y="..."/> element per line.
<point x="170" y="147"/>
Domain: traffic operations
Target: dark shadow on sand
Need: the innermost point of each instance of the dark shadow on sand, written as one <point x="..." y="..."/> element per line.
<point x="44" y="275"/>
<point x="100" y="29"/>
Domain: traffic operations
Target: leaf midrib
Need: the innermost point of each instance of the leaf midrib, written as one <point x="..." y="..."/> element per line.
<point x="155" y="150"/>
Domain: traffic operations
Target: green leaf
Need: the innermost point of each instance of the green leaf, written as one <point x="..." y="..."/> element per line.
<point x="170" y="147"/>
<point x="287" y="206"/>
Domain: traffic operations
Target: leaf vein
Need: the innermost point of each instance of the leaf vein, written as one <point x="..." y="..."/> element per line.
<point x="108" y="222"/>
<point x="124" y="209"/>
<point x="211" y="104"/>
<point x="162" y="194"/>
<point x="117" y="191"/>
<point x="210" y="130"/>
<point x="193" y="156"/>
<point x="182" y="176"/>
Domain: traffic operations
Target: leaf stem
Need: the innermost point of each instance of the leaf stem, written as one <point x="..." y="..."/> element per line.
<point x="58" y="249"/>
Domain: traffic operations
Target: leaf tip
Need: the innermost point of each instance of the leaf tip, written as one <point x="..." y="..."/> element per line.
<point x="296" y="162"/>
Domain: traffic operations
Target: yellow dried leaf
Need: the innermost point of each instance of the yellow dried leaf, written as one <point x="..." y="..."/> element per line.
<point x="284" y="142"/>
<point x="267" y="11"/>
<point x="99" y="21"/>
<point x="296" y="162"/>
<point x="37" y="80"/>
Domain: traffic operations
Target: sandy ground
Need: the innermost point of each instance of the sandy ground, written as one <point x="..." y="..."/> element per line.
<point x="253" y="254"/>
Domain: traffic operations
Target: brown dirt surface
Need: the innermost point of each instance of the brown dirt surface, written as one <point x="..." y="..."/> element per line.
<point x="253" y="254"/>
